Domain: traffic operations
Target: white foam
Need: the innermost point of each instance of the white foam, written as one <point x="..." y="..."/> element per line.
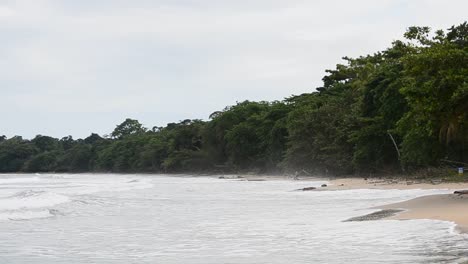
<point x="109" y="185"/>
<point x="24" y="215"/>
<point x="230" y="221"/>
<point x="19" y="180"/>
<point x="32" y="199"/>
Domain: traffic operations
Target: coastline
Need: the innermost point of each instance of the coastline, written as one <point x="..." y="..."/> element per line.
<point x="395" y="184"/>
<point x="444" y="207"/>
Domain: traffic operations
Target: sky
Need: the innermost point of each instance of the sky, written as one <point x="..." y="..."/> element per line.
<point x="72" y="67"/>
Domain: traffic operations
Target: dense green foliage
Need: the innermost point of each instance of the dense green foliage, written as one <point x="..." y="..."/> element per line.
<point x="403" y="108"/>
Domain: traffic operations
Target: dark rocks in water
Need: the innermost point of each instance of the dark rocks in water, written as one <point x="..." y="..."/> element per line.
<point x="324" y="185"/>
<point x="374" y="216"/>
<point x="221" y="177"/>
<point x="461" y="192"/>
<point x="307" y="189"/>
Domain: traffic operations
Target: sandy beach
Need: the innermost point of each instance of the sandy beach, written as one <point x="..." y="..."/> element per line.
<point x="445" y="207"/>
<point x="371" y="183"/>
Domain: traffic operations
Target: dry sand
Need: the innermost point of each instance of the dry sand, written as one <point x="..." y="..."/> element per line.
<point x="362" y="183"/>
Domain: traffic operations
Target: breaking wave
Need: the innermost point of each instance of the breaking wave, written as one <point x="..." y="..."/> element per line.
<point x="32" y="199"/>
<point x="19" y="180"/>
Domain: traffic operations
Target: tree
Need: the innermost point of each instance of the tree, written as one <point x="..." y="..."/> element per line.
<point x="127" y="128"/>
<point x="45" y="143"/>
<point x="436" y="89"/>
<point x="42" y="162"/>
<point x="67" y="142"/>
<point x="319" y="133"/>
<point x="380" y="108"/>
<point x="14" y="152"/>
<point x="76" y="159"/>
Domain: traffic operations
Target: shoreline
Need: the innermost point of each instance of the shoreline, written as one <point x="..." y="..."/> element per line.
<point x="395" y="184"/>
<point x="443" y="207"/>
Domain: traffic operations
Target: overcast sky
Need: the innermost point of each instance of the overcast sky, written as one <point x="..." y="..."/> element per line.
<point x="75" y="67"/>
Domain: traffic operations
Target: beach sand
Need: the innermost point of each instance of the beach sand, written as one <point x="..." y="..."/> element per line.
<point x="445" y="207"/>
<point x="363" y="183"/>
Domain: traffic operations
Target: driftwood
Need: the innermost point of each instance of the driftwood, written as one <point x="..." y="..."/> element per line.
<point x="307" y="189"/>
<point x="461" y="192"/>
<point x="397" y="150"/>
<point x="454" y="162"/>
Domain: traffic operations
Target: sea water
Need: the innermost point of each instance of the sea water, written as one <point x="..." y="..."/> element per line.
<point x="114" y="218"/>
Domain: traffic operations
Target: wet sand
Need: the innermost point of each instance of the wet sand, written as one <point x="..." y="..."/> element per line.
<point x="446" y="207"/>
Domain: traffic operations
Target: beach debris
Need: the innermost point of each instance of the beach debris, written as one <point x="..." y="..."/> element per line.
<point x="374" y="216"/>
<point x="461" y="192"/>
<point x="435" y="182"/>
<point x="307" y="189"/>
<point x="324" y="185"/>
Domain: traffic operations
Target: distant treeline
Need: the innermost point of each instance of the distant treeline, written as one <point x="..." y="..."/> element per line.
<point x="403" y="108"/>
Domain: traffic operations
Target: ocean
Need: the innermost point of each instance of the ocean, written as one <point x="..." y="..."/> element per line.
<point x="116" y="218"/>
